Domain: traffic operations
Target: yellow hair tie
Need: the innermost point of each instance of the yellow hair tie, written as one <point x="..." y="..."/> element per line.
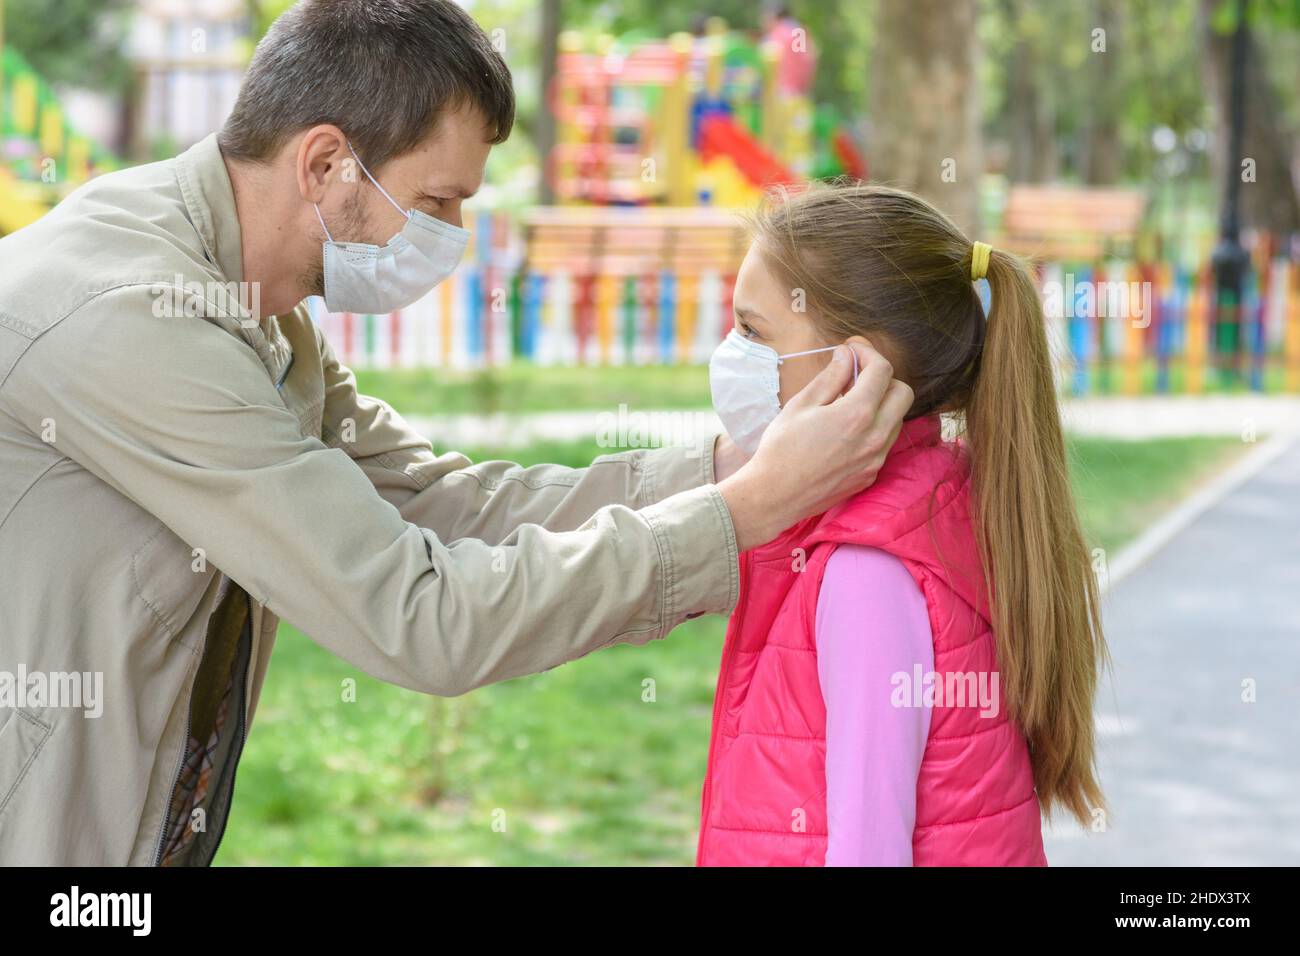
<point x="979" y="260"/>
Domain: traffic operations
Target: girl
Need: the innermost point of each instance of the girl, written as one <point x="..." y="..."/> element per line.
<point x="907" y="678"/>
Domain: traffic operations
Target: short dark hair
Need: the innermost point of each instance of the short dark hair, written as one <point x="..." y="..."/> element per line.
<point x="383" y="71"/>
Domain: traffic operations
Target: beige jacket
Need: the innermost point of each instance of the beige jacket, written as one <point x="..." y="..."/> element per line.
<point x="148" y="448"/>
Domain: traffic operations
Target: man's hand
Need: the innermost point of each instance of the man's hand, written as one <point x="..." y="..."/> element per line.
<point x="822" y="448"/>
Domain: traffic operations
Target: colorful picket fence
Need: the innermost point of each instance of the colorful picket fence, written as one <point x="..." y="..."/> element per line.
<point x="477" y="320"/>
<point x="494" y="310"/>
<point x="1166" y="334"/>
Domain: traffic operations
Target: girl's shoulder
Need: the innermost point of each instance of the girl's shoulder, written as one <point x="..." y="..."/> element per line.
<point x="865" y="560"/>
<point x="866" y="588"/>
<point x="866" y="575"/>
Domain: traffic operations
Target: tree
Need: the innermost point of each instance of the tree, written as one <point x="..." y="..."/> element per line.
<point x="1268" y="199"/>
<point x="1101" y="159"/>
<point x="544" y="121"/>
<point x="72" y="42"/>
<point x="1030" y="116"/>
<point x="925" y="106"/>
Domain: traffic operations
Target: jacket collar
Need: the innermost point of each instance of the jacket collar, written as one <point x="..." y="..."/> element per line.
<point x="918" y="433"/>
<point x="210" y="199"/>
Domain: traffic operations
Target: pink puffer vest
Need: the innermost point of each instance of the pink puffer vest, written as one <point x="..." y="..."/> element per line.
<point x="764" y="801"/>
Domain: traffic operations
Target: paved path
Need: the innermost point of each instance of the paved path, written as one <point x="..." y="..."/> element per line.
<point x="1194" y="775"/>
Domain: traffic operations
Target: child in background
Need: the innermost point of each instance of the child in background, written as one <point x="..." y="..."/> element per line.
<point x="908" y="678"/>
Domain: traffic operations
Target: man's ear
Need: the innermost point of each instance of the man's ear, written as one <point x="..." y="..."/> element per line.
<point x="322" y="157"/>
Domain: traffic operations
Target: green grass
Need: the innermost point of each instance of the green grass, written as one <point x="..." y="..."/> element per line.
<point x="1109" y="379"/>
<point x="523" y="388"/>
<point x="1121" y="487"/>
<point x="578" y="767"/>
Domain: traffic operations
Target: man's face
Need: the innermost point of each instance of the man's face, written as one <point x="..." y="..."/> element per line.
<point x="434" y="178"/>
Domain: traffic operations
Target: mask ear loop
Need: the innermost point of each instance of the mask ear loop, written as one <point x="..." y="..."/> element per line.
<point x="829" y="348"/>
<point x="322" y="222"/>
<point x="404" y="212"/>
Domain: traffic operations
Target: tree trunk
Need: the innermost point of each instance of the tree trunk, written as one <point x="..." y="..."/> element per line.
<point x="1270" y="202"/>
<point x="925" y="104"/>
<point x="1102" y="157"/>
<point x="1031" y="139"/>
<point x="544" y="125"/>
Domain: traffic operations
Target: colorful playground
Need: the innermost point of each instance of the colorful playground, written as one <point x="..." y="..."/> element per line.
<point x="662" y="144"/>
<point x="636" y="267"/>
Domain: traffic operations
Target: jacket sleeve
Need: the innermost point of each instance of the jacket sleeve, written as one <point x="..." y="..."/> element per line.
<point x="456" y="499"/>
<point x="183" y="419"/>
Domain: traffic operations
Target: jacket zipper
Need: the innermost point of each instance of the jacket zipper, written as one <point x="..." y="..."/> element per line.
<point x="243" y="733"/>
<point x="724" y="667"/>
<point x="285" y="374"/>
<point x="171" y="793"/>
<point x="185" y="752"/>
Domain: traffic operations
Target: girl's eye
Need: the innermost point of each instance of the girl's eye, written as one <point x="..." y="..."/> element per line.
<point x="746" y="331"/>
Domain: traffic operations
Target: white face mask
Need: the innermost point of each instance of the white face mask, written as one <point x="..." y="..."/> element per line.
<point x="745" y="379"/>
<point x="361" y="277"/>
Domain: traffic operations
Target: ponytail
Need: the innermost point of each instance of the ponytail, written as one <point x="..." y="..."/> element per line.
<point x="1043" y="593"/>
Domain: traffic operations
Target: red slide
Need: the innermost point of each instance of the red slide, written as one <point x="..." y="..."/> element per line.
<point x="720" y="136"/>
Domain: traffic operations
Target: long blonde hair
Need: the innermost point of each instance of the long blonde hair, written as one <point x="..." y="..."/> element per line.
<point x="885" y="264"/>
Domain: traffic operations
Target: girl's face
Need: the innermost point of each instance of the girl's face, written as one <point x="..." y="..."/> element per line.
<point x="769" y="313"/>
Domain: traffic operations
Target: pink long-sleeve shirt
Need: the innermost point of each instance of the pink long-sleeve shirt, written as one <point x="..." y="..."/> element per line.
<point x="872" y="624"/>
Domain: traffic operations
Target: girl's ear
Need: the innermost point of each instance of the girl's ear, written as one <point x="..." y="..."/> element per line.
<point x="882" y="347"/>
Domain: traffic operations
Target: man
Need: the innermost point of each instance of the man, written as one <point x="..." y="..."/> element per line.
<point x="177" y="472"/>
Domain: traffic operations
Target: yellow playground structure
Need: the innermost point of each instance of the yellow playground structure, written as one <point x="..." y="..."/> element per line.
<point x="684" y="121"/>
<point x="42" y="158"/>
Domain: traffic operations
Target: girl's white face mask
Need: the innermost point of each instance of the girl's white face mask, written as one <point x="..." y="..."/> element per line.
<point x="745" y="379"/>
<point x="361" y="277"/>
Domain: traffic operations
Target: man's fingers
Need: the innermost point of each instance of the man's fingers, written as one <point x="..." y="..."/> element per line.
<point x="864" y="349"/>
<point x="829" y="382"/>
<point x="896" y="403"/>
<point x="874" y="375"/>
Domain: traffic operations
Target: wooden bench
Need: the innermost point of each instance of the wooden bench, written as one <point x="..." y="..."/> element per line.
<point x="633" y="241"/>
<point x="1071" y="224"/>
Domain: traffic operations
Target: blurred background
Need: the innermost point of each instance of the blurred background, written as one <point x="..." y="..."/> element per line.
<point x="1142" y="152"/>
